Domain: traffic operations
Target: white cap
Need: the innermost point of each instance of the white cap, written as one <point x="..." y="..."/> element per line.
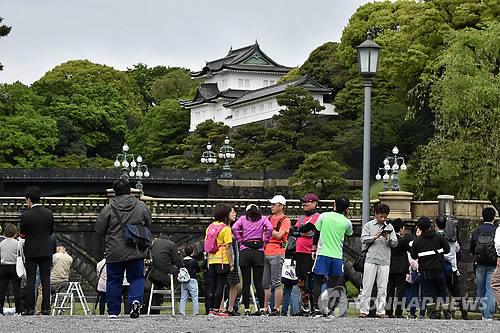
<point x="250" y="206"/>
<point x="278" y="199"/>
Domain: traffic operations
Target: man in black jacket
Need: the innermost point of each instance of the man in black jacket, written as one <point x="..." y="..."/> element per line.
<point x="166" y="259"/>
<point x="398" y="270"/>
<point x="37" y="224"/>
<point x="120" y="256"/>
<point x="429" y="248"/>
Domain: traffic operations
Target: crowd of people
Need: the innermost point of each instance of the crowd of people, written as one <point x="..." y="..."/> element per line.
<point x="295" y="268"/>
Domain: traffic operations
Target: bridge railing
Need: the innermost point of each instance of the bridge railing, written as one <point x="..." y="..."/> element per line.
<point x="196" y="207"/>
<point x="163" y="207"/>
<point x="59" y="205"/>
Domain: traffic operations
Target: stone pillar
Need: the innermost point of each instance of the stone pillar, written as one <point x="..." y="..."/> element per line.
<point x="445" y="205"/>
<point x="135" y="192"/>
<point x="399" y="202"/>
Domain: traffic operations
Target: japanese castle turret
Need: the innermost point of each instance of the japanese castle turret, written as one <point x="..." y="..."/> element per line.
<point x="241" y="88"/>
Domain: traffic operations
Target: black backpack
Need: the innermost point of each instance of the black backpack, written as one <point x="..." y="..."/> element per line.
<point x="485" y="249"/>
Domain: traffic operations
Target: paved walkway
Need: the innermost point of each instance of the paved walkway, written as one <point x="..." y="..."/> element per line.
<point x="164" y="323"/>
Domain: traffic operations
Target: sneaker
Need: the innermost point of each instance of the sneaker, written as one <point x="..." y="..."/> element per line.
<point x="316" y="313"/>
<point x="221" y="314"/>
<point x="274" y="312"/>
<point x="113" y="316"/>
<point x="233" y="313"/>
<point x="301" y="313"/>
<point x="284" y="314"/>
<point x="247" y="313"/>
<point x="259" y="313"/>
<point x="363" y="315"/>
<point x="211" y="313"/>
<point x="135" y="309"/>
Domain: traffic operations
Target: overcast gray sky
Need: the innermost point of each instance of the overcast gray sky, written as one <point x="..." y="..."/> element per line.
<point x="121" y="33"/>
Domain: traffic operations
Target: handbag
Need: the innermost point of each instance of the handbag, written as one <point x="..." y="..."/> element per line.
<point x="288" y="270"/>
<point x="359" y="264"/>
<point x="135" y="235"/>
<point x="20" y="269"/>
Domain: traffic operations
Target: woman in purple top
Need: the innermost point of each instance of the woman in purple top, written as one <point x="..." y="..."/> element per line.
<point x="249" y="232"/>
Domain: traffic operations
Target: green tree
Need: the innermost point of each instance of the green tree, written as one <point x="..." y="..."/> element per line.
<point x="464" y="155"/>
<point x="194" y="145"/>
<point x="97" y="112"/>
<point x="163" y="129"/>
<point x="293" y="74"/>
<point x="27" y="139"/>
<point x="325" y="67"/>
<point x="176" y="84"/>
<point x="86" y="73"/>
<point x="320" y="174"/>
<point x="145" y="77"/>
<point x="4" y="31"/>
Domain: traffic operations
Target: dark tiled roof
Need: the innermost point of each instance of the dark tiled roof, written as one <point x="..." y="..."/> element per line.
<point x="209" y="92"/>
<point x="280" y="88"/>
<point x="241" y="59"/>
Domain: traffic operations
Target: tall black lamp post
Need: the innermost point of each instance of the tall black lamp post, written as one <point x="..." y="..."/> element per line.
<point x="368" y="56"/>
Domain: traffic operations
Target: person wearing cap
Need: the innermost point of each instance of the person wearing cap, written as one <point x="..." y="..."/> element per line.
<point x="328" y="242"/>
<point x="304" y="231"/>
<point x="62" y="262"/>
<point x="274" y="253"/>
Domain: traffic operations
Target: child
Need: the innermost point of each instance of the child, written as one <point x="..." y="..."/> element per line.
<point x="191" y="287"/>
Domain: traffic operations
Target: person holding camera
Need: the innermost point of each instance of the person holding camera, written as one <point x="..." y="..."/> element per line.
<point x="378" y="259"/>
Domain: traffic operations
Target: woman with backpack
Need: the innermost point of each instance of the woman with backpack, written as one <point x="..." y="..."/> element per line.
<point x="249" y="231"/>
<point x="218" y="241"/>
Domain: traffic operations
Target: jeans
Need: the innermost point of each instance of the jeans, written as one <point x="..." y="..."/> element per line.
<point x="291" y="298"/>
<point x="412" y="298"/>
<point x="135" y="276"/>
<point x="189" y="288"/>
<point x="484" y="291"/>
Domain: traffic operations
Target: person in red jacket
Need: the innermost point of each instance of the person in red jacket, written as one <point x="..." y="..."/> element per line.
<point x="304" y="231"/>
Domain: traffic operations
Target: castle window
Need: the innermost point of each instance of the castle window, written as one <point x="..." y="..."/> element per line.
<point x="266" y="83"/>
<point x="240" y="83"/>
<point x="247" y="83"/>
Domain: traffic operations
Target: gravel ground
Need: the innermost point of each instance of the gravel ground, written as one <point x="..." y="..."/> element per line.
<point x="164" y="323"/>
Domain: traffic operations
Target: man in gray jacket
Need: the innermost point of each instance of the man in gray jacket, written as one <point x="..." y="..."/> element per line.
<point x="120" y="256"/>
<point x="382" y="237"/>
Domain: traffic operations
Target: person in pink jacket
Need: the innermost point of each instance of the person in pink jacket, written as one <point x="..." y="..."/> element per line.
<point x="252" y="231"/>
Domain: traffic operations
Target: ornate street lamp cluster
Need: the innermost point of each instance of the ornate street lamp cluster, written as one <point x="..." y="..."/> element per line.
<point x="395" y="167"/>
<point x="226" y="152"/>
<point x="132" y="167"/>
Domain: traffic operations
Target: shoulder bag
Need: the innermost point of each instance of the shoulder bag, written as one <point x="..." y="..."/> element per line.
<point x="135" y="235"/>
